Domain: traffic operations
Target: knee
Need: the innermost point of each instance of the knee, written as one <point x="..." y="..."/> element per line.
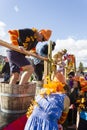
<point x="15" y="76"/>
<point x="28" y="68"/>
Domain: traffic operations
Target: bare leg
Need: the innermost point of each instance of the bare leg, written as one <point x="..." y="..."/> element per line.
<point x="28" y="70"/>
<point x="14" y="78"/>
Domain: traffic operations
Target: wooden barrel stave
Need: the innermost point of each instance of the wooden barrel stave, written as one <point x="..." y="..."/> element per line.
<point x="17" y="98"/>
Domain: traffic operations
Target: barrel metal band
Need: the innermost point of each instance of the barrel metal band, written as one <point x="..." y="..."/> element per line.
<point x="16" y="95"/>
<point x="13" y="111"/>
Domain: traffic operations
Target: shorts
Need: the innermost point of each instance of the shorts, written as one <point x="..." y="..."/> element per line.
<point x="16" y="60"/>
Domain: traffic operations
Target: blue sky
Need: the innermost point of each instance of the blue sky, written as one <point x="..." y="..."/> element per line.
<point x="66" y="18"/>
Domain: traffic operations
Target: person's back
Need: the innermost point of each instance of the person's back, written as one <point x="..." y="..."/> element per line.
<point x="50" y="109"/>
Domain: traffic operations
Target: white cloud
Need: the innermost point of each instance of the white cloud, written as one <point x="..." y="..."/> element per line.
<point x="16" y="8"/>
<point x="3" y="36"/>
<point x="2" y="29"/>
<point x="76" y="47"/>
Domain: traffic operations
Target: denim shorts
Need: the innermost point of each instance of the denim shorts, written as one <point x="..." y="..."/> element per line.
<point x="16" y="60"/>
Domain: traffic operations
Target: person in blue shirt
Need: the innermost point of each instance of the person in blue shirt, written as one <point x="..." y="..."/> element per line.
<point x="42" y="50"/>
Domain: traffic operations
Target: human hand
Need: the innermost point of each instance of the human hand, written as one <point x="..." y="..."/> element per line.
<point x="21" y="48"/>
<point x="60" y="127"/>
<point x="71" y="106"/>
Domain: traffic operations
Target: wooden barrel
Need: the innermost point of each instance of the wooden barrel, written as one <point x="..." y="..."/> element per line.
<point x="16" y="98"/>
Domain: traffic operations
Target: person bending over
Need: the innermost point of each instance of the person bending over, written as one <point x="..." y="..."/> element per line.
<point x="50" y="108"/>
<point x="24" y="39"/>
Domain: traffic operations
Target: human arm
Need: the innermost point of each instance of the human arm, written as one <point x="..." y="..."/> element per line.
<point x="42" y="58"/>
<point x="65" y="111"/>
<point x="14" y="34"/>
